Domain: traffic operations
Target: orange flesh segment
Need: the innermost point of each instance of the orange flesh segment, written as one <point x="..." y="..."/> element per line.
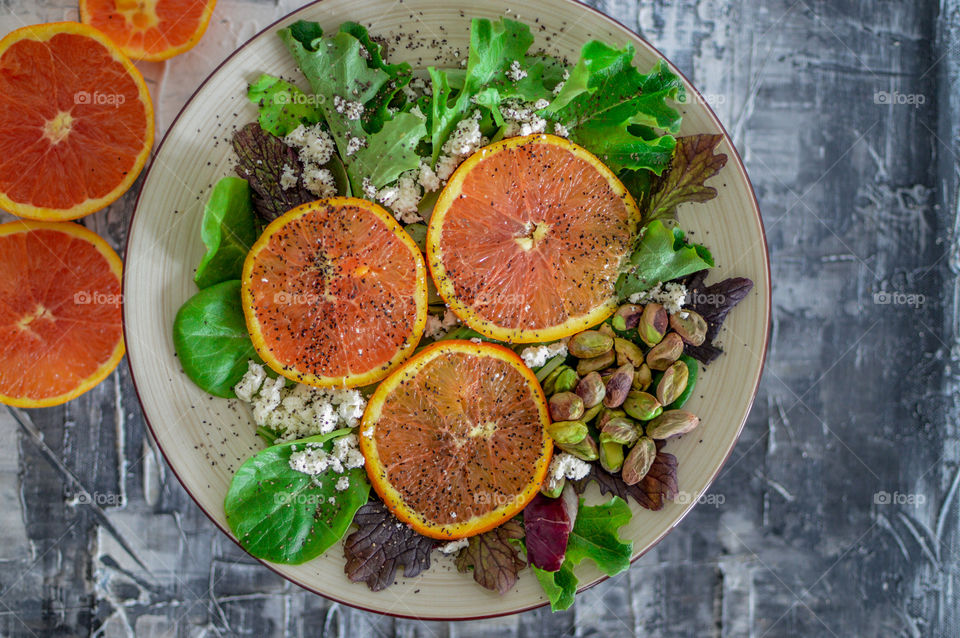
<point x="150" y="29"/>
<point x="74" y="128"/>
<point x="456" y="440"/>
<point x="532" y="240"/>
<point x="60" y="323"/>
<point x="334" y="294"/>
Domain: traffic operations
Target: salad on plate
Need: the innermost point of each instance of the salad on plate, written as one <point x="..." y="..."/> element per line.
<point x="451" y="299"/>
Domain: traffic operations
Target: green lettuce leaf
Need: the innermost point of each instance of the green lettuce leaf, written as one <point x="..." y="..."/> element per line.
<point x="660" y="255"/>
<point x="335" y="68"/>
<point x="391" y="94"/>
<point x="283" y="106"/>
<point x="229" y="229"/>
<point x="614" y="110"/>
<point x="594" y="536"/>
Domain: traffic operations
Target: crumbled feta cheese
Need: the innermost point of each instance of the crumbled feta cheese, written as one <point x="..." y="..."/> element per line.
<point x="541" y="104"/>
<point x="521" y="118"/>
<point x="454" y="546"/>
<point x="671" y="295"/>
<point x="536" y="356"/>
<point x="347" y="452"/>
<point x="516" y="73"/>
<point x="354" y="144"/>
<point x="315" y="145"/>
<point x="476" y="340"/>
<point x="314" y="460"/>
<point x="560" y="129"/>
<point x="427" y="178"/>
<point x="409" y="93"/>
<point x="288" y="179"/>
<point x="422" y="85"/>
<point x="299" y="411"/>
<point x="353" y="110"/>
<point x="559" y="86"/>
<point x="343" y="483"/>
<point x="250" y="383"/>
<point x="319" y="181"/>
<point x="369" y="190"/>
<point x="565" y="465"/>
<point x="463" y="142"/>
<point x="437" y="327"/>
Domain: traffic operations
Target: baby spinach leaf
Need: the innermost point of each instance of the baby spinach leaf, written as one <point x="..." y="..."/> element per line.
<point x="228" y="231"/>
<point x="381" y="545"/>
<point x="694" y="161"/>
<point x="262" y="158"/>
<point x="612" y="109"/>
<point x="594" y="536"/>
<point x="285" y="516"/>
<point x="660" y="255"/>
<point x="211" y="339"/>
<point x="283" y="106"/>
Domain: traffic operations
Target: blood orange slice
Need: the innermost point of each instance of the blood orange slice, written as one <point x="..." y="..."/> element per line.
<point x="76" y="122"/>
<point x="150" y="29"/>
<point x="455" y="441"/>
<point x="60" y="332"/>
<point x="527" y="239"/>
<point x="335" y="293"/>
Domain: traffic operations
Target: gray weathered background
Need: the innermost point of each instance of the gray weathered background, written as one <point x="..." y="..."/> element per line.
<point x="837" y="514"/>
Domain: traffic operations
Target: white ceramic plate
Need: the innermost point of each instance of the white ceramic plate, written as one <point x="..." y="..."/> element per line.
<point x="205" y="439"/>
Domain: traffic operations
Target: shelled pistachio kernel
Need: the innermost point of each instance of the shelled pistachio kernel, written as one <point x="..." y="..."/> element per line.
<point x="691" y="327"/>
<point x="642" y="406"/>
<point x="639" y="461"/>
<point x="611" y="456"/>
<point x="567" y="432"/>
<point x="595" y="364"/>
<point x="591" y="389"/>
<point x="589" y="344"/>
<point x="672" y="423"/>
<point x="642" y="378"/>
<point x="628" y="352"/>
<point x="653" y="324"/>
<point x="620" y="430"/>
<point x="585" y="450"/>
<point x="566" y="406"/>
<point x="566" y="381"/>
<point x="672" y="383"/>
<point x="662" y="355"/>
<point x="618" y="385"/>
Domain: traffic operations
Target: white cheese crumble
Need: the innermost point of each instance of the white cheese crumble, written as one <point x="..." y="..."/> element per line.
<point x="319" y="181"/>
<point x="464" y="141"/>
<point x="561" y="130"/>
<point x="299" y="411"/>
<point x="315" y="145"/>
<point x="288" y="178"/>
<point x="369" y="190"/>
<point x="521" y="118"/>
<point x="313" y="459"/>
<point x="565" y="465"/>
<point x="353" y="110"/>
<point x="454" y="546"/>
<point x="354" y="144"/>
<point x="437" y="327"/>
<point x="559" y="86"/>
<point x="427" y="178"/>
<point x="343" y="483"/>
<point x="671" y="295"/>
<point x="403" y="198"/>
<point x="536" y="356"/>
<point x="516" y="73"/>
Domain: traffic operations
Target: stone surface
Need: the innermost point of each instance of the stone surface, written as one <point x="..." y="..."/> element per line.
<point x="837" y="514"/>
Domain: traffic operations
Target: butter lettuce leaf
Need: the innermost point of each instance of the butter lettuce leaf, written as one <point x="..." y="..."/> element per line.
<point x="660" y="254"/>
<point x="283" y="106"/>
<point x="392" y="150"/>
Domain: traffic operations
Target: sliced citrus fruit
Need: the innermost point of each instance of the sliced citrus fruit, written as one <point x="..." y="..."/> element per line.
<point x="76" y="122"/>
<point x="60" y="331"/>
<point x="335" y="293"/>
<point x="455" y="441"/>
<point x="527" y="239"/>
<point x="150" y="29"/>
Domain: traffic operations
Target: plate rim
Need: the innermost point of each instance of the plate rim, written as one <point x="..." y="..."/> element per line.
<point x="767" y="299"/>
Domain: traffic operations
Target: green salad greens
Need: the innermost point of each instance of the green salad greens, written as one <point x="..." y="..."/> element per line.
<point x="357" y="124"/>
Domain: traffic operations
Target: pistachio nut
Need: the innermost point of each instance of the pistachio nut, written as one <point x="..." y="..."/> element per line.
<point x="592" y="412"/>
<point x="619" y="430"/>
<point x="591" y="389"/>
<point x="611" y="456"/>
<point x="627" y="315"/>
<point x="567" y="432"/>
<point x="585" y="450"/>
<point x="566" y="381"/>
<point x="639" y="461"/>
<point x="653" y="324"/>
<point x="606" y="414"/>
<point x="642" y="406"/>
<point x="672" y="423"/>
<point x="691" y="327"/>
<point x="642" y="378"/>
<point x="553" y="487"/>
<point x="628" y="352"/>
<point x="605" y="329"/>
<point x="589" y="343"/>
<point x="662" y="355"/>
<point x="549" y="381"/>
<point x="618" y="385"/>
<point x="586" y="366"/>
<point x="672" y="383"/>
<point x="565" y="406"/>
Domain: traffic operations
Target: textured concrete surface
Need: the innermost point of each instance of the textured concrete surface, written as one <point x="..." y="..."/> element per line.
<point x="838" y="513"/>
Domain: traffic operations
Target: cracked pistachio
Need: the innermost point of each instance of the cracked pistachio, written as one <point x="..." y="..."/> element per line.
<point x="627" y="316"/>
<point x="606" y="414"/>
<point x="642" y="378"/>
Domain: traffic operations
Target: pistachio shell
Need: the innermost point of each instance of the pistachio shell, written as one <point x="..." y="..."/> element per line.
<point x="662" y="355"/>
<point x="639" y="461"/>
<point x="589" y="343"/>
<point x="672" y="383"/>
